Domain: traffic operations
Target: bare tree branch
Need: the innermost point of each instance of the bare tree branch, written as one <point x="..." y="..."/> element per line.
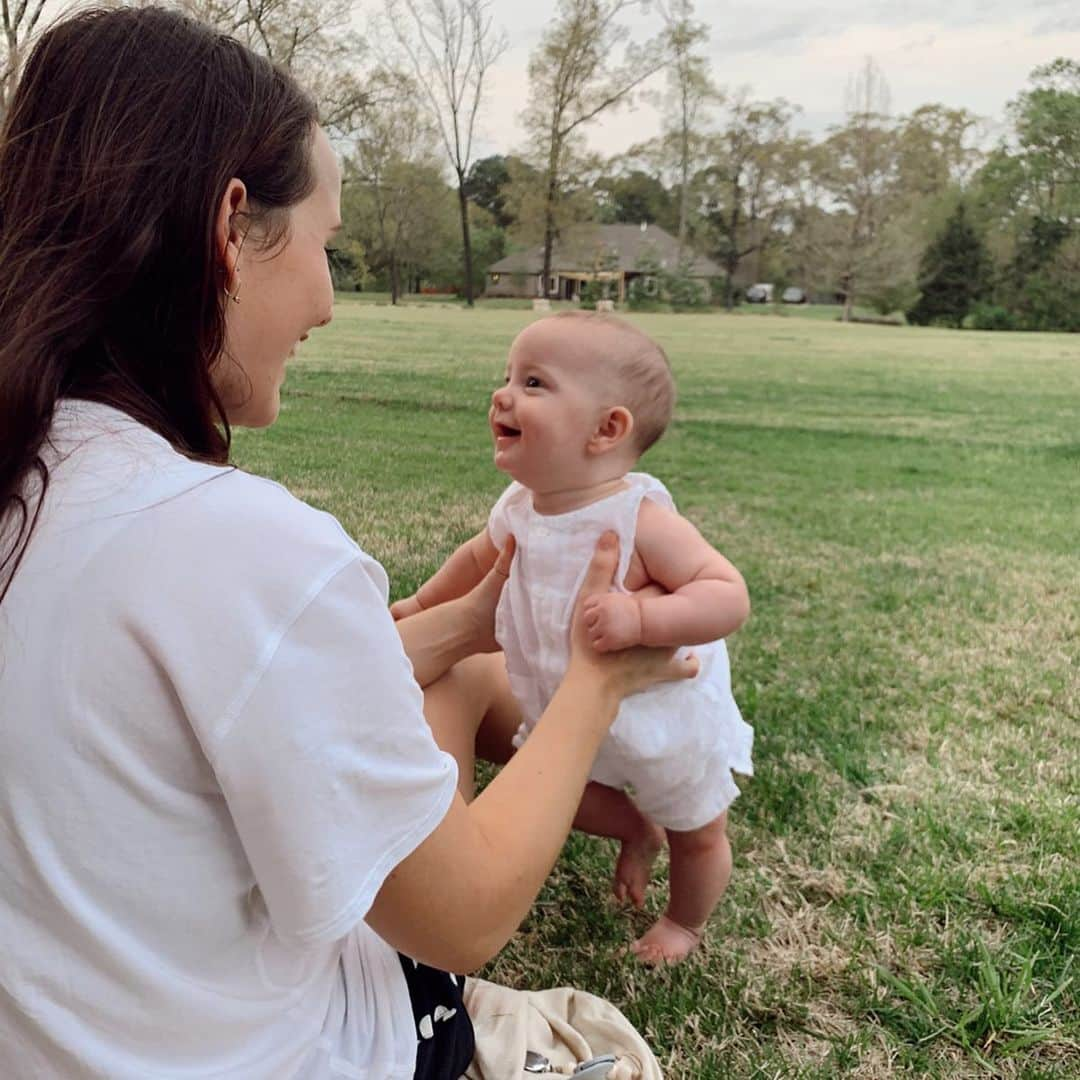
<point x="450" y="47"/>
<point x="19" y="28"/>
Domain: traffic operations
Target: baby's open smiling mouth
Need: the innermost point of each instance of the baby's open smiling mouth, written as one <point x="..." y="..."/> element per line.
<point x="506" y="432"/>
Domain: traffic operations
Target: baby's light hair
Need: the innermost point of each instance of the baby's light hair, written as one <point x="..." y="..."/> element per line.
<point x="640" y="372"/>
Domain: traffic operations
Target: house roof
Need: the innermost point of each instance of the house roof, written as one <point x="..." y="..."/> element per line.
<point x="589" y="248"/>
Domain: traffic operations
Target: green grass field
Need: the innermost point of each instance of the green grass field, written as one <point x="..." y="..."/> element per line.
<point x="903" y="503"/>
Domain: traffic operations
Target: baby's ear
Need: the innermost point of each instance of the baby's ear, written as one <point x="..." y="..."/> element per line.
<point x="612" y="430"/>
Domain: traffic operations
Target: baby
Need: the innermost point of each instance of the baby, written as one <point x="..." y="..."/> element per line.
<point x="585" y="396"/>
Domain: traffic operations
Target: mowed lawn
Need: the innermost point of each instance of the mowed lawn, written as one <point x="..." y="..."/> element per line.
<point x="904" y="505"/>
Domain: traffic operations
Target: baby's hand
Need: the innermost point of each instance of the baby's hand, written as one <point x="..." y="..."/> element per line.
<point x="612" y="621"/>
<point x="405" y="607"/>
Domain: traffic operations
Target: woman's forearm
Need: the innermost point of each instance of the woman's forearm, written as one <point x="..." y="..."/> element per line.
<point x="530" y="806"/>
<point x="437" y="639"/>
<point x="487" y="861"/>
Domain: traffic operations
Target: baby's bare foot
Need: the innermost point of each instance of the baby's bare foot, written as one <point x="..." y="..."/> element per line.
<point x="666" y="942"/>
<point x="634" y="868"/>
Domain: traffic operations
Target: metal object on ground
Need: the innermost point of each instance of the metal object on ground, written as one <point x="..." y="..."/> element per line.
<point x="596" y="1068"/>
<point x="536" y="1063"/>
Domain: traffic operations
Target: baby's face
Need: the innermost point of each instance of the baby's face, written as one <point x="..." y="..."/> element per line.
<point x="544" y="415"/>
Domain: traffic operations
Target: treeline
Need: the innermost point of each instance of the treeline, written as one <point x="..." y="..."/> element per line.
<point x="920" y="213"/>
<point x="911" y="213"/>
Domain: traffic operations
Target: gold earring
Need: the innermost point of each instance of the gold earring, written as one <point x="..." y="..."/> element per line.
<point x="234" y="297"/>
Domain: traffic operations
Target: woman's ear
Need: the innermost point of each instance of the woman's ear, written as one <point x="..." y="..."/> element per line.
<point x="230" y="228"/>
<point x="612" y="431"/>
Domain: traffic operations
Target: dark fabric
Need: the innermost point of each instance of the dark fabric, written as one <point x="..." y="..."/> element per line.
<point x="444" y="1032"/>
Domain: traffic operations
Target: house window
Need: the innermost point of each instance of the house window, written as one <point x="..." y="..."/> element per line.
<point x="495" y="279"/>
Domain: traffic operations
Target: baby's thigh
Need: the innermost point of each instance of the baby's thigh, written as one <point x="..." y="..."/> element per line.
<point x="679" y="795"/>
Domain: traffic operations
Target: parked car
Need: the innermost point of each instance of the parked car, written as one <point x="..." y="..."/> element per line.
<point x="759" y="294"/>
<point x="794" y="295"/>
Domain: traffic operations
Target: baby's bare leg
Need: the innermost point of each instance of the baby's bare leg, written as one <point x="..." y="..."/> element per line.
<point x="699" y="874"/>
<point x="604" y="811"/>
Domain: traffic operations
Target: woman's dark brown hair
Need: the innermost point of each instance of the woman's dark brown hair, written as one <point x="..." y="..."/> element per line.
<point x="122" y="136"/>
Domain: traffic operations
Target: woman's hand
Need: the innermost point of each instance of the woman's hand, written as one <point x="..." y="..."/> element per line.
<point x="627" y="671"/>
<point x="406" y="606"/>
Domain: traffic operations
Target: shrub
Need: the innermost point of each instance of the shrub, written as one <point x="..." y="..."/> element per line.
<point x="643" y="293"/>
<point x="1050" y="300"/>
<point x="991" y="317"/>
<point x="898" y="296"/>
<point x="592" y="291"/>
<point x="683" y="291"/>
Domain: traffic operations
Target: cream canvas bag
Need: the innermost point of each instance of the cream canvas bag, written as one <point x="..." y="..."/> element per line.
<point x="566" y="1026"/>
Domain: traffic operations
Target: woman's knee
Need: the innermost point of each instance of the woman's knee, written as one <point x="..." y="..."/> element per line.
<point x="470" y="708"/>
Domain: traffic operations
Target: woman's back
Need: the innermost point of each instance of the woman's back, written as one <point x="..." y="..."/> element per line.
<point x="160" y="608"/>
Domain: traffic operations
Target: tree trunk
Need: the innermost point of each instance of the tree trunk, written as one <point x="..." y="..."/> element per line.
<point x="549" y="233"/>
<point x="466" y="239"/>
<point x="395" y="280"/>
<point x="849" y="298"/>
<point x="550" y="198"/>
<point x="684" y="181"/>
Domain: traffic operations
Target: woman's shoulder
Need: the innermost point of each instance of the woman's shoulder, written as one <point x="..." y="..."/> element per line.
<point x="249" y="528"/>
<point x="206" y="522"/>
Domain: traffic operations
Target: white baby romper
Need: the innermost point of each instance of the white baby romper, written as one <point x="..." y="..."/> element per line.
<point x="674" y="747"/>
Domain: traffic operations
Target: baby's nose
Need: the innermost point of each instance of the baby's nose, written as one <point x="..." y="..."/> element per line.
<point x="501" y="397"/>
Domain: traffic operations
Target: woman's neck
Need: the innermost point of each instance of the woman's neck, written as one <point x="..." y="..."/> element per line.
<point x="567" y="499"/>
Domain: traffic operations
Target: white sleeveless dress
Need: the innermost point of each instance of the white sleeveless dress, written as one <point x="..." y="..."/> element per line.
<point x="673" y="747"/>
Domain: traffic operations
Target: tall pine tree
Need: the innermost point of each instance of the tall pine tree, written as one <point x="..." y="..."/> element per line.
<point x="955" y="273"/>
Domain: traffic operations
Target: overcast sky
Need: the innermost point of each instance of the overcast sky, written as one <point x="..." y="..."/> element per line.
<point x="971" y="53"/>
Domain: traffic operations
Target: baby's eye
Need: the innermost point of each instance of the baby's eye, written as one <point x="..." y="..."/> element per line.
<point x="532" y="382"/>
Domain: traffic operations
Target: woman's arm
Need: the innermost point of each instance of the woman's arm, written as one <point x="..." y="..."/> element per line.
<point x="706" y="596"/>
<point x="465" y="569"/>
<point x="457" y="899"/>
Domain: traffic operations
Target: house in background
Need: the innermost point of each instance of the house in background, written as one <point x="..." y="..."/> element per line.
<point x="607" y="253"/>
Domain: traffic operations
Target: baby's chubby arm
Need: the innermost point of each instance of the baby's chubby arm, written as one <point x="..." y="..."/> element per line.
<point x="706" y="596"/>
<point x="466" y="568"/>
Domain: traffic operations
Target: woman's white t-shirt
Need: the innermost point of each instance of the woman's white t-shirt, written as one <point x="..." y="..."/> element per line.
<point x="212" y="754"/>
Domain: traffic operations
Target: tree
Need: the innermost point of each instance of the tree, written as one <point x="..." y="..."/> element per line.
<point x="1029" y="193"/>
<point x="746" y="188"/>
<point x="859" y="167"/>
<point x="1047" y="121"/>
<point x="395" y="202"/>
<point x="955" y="273"/>
<point x="451" y="45"/>
<point x="936" y="149"/>
<point x="527" y="198"/>
<point x="312" y="38"/>
<point x="572" y="81"/>
<point x="20" y="23"/>
<point x="486" y="185"/>
<point x="634" y="197"/>
<point x="690" y="92"/>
